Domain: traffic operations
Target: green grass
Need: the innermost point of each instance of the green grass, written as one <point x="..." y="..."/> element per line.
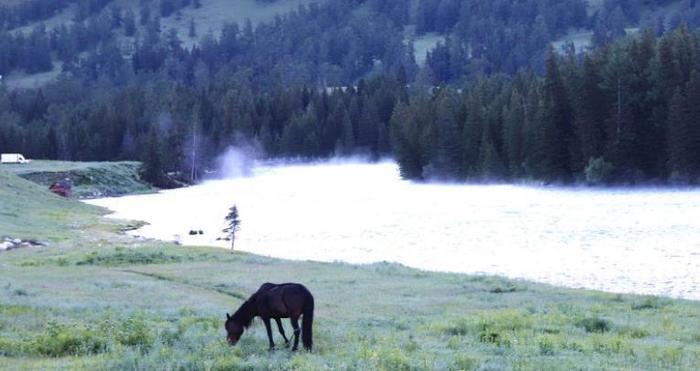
<point x="90" y="179"/>
<point x="96" y="299"/>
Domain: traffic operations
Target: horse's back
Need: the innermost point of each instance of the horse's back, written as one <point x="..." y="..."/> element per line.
<point x="289" y="287"/>
<point x="267" y="286"/>
<point x="286" y="299"/>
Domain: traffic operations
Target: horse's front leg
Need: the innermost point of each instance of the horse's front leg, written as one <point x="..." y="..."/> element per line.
<point x="279" y="326"/>
<point x="266" y="320"/>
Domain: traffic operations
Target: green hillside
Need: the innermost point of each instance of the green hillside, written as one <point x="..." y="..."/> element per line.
<point x="208" y="19"/>
<point x="191" y="23"/>
<point x="30" y="211"/>
<point x="89" y="179"/>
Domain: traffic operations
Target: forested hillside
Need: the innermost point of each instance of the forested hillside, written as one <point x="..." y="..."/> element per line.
<point x="340" y="77"/>
<point x="626" y="113"/>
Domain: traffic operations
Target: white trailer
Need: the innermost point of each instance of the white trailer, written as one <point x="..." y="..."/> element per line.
<point x="13" y="158"/>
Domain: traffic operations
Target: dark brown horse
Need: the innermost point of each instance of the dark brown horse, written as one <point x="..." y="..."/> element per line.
<point x="271" y="301"/>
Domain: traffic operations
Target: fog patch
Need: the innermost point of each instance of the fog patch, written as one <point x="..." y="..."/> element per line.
<point x="241" y="160"/>
<point x="237" y="162"/>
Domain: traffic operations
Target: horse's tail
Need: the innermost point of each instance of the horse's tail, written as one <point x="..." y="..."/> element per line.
<point x="307" y="323"/>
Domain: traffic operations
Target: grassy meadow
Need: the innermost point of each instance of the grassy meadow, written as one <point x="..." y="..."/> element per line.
<point x="97" y="299"/>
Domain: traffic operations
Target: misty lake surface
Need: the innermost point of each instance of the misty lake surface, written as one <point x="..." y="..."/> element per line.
<point x="643" y="241"/>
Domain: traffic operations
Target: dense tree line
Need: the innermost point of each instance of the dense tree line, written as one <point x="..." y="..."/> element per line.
<point x="626" y="113"/>
<point x="166" y="123"/>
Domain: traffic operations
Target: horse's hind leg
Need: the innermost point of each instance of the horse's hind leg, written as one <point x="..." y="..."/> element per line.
<point x="279" y="326"/>
<point x="297" y="331"/>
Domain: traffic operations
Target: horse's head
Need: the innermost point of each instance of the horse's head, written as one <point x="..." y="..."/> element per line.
<point x="234" y="330"/>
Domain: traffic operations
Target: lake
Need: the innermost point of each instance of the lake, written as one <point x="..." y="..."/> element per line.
<point x="643" y="241"/>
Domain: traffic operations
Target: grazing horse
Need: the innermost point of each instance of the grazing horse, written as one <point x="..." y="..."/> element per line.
<point x="271" y="301"/>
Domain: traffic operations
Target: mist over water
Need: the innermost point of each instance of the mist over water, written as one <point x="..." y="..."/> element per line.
<point x="236" y="163"/>
<point x="640" y="240"/>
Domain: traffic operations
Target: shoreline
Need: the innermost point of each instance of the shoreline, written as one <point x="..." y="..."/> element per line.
<point x="134" y="233"/>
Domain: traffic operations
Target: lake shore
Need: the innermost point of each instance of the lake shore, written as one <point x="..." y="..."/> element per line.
<point x="617" y="240"/>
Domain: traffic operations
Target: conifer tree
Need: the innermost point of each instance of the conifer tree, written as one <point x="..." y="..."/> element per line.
<point x="558" y="128"/>
<point x="490" y="164"/>
<point x="472" y="132"/>
<point x="346" y="141"/>
<point x="233" y="225"/>
<point x="590" y="109"/>
<point x="129" y="22"/>
<point x="668" y="71"/>
<point x="537" y="161"/>
<point x="193" y="29"/>
<point x="446" y="134"/>
<point x="513" y="133"/>
<point x="693" y="135"/>
<point x="678" y="149"/>
<point x="152" y="170"/>
<point x="410" y="133"/>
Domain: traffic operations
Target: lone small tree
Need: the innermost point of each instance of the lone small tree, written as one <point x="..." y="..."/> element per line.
<point x="233" y="224"/>
<point x="193" y="29"/>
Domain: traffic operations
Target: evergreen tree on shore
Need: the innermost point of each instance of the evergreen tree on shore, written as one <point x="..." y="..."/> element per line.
<point x="152" y="170"/>
<point x="233" y="225"/>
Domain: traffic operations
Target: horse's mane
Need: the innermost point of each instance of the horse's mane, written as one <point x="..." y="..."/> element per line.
<point x="245" y="314"/>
